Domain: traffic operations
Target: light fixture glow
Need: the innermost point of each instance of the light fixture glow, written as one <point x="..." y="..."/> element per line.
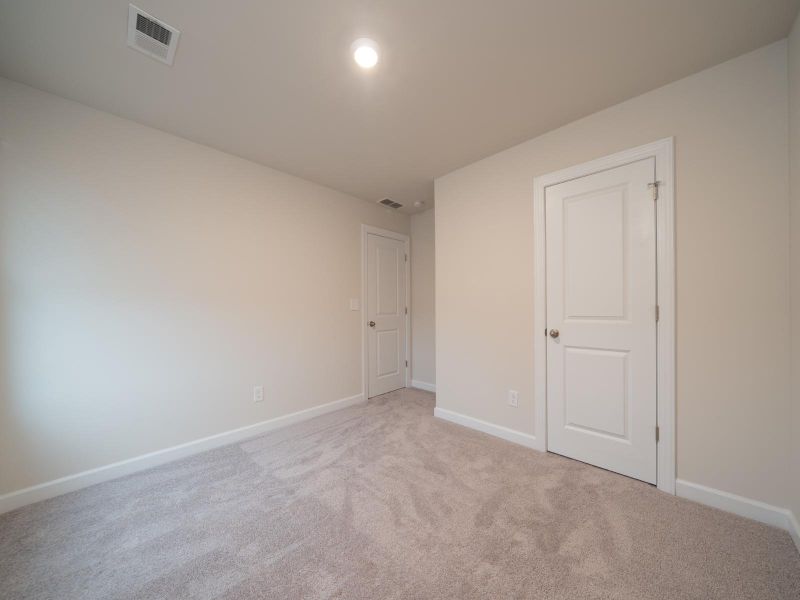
<point x="365" y="53"/>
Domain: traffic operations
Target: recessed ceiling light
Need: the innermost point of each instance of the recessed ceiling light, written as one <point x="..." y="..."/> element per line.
<point x="365" y="52"/>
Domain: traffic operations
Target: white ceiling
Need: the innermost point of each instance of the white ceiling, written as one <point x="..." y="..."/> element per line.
<point x="273" y="80"/>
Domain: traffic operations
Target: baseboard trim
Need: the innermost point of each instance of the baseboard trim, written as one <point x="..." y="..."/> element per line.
<point x="511" y="435"/>
<point x="70" y="483"/>
<point x="782" y="518"/>
<point x="423" y="385"/>
<point x="794" y="530"/>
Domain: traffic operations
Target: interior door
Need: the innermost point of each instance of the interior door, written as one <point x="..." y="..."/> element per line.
<point x="601" y="317"/>
<point x="386" y="314"/>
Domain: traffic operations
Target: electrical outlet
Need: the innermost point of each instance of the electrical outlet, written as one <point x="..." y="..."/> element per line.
<point x="258" y="393"/>
<point x="513" y="398"/>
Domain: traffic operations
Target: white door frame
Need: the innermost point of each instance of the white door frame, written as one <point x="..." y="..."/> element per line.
<point x="366" y="230"/>
<point x="663" y="152"/>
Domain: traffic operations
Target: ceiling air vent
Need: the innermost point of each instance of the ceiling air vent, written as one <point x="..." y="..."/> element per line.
<point x="151" y="36"/>
<point x="390" y="203"/>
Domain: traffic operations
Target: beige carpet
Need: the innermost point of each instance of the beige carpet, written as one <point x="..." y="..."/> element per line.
<point x="383" y="501"/>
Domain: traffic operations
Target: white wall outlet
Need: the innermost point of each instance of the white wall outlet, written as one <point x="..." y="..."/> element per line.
<point x="355" y="304"/>
<point x="513" y="398"/>
<point x="258" y="393"/>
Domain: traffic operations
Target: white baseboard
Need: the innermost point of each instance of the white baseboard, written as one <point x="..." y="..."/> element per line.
<point x="794" y="529"/>
<point x="782" y="518"/>
<point x="423" y="385"/>
<point x="511" y="435"/>
<point x="84" y="479"/>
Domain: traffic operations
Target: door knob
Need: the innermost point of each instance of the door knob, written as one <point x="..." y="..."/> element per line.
<point x="372" y="323"/>
<point x="554" y="333"/>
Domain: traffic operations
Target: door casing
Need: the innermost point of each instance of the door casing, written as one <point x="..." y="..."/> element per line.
<point x="663" y="153"/>
<point x="365" y="231"/>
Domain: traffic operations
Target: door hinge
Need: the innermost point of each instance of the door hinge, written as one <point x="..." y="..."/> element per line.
<point x="654" y="187"/>
<point x="406" y="257"/>
<point x="406" y="364"/>
<point x="406" y="310"/>
<point x="657" y="434"/>
<point x="658" y="313"/>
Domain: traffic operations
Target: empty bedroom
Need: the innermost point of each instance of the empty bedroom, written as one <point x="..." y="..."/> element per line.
<point x="395" y="299"/>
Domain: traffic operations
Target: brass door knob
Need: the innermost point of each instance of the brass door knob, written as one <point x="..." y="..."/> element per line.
<point x="372" y="323"/>
<point x="554" y="333"/>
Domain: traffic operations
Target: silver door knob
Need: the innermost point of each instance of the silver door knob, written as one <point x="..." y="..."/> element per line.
<point x="554" y="333"/>
<point x="372" y="323"/>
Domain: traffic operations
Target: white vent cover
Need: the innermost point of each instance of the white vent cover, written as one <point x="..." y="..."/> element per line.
<point x="390" y="203"/>
<point x="151" y="36"/>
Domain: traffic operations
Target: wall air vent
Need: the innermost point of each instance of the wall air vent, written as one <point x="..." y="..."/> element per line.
<point x="151" y="36"/>
<point x="390" y="203"/>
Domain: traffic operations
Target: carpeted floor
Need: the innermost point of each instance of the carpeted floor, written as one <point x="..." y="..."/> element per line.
<point x="383" y="501"/>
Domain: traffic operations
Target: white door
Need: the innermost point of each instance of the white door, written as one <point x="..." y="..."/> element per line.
<point x="601" y="319"/>
<point x="386" y="314"/>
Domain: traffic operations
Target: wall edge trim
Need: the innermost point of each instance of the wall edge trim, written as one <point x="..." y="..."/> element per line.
<point x="506" y="433"/>
<point x="782" y="518"/>
<point x="83" y="479"/>
<point x="423" y="385"/>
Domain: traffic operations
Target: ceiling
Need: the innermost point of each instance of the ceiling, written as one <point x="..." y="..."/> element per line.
<point x="273" y="80"/>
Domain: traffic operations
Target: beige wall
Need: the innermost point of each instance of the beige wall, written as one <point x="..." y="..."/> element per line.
<point x="423" y="334"/>
<point x="148" y="283"/>
<point x="730" y="125"/>
<point x="794" y="183"/>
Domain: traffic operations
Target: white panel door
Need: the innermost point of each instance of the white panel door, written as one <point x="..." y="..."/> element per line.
<point x="386" y="314"/>
<point x="601" y="318"/>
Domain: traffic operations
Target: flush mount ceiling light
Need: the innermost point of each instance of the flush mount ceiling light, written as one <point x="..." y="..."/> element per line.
<point x="365" y="52"/>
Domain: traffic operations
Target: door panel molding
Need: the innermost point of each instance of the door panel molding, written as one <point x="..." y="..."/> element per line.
<point x="601" y="370"/>
<point x="367" y="230"/>
<point x="663" y="153"/>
